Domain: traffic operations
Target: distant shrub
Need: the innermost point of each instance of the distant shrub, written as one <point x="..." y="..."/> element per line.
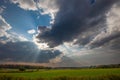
<point x="22" y="69"/>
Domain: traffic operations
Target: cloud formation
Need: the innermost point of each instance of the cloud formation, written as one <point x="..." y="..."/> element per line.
<point x="32" y="31"/>
<point x="25" y="4"/>
<point x="82" y="20"/>
<point x="6" y="35"/>
<point x="113" y="28"/>
<point x="1" y="10"/>
<point x="25" y="52"/>
<point x="4" y="27"/>
<point x="48" y="7"/>
<point x="99" y="56"/>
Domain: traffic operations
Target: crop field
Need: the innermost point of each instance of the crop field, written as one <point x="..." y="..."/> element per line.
<point x="61" y="74"/>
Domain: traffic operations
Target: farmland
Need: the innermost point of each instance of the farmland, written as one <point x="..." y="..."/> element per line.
<point x="61" y="74"/>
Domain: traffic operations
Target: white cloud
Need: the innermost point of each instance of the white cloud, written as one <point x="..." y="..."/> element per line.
<point x="22" y="38"/>
<point x="49" y="7"/>
<point x="113" y="19"/>
<point x="9" y="36"/>
<point x="4" y="27"/>
<point x="32" y="31"/>
<point x="2" y="8"/>
<point x="25" y="4"/>
<point x="56" y="59"/>
<point x="14" y="37"/>
<point x="42" y="46"/>
<point x="43" y="6"/>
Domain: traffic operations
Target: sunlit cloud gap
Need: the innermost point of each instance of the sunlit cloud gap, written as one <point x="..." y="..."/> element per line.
<point x="36" y="56"/>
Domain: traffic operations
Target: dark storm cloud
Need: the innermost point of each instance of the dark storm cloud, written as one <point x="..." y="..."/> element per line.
<point x="25" y="52"/>
<point x="113" y="44"/>
<point x="75" y="17"/>
<point x="105" y="40"/>
<point x="85" y="37"/>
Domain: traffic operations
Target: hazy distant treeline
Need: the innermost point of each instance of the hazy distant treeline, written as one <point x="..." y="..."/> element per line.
<point x="13" y="66"/>
<point x="16" y="66"/>
<point x="106" y="66"/>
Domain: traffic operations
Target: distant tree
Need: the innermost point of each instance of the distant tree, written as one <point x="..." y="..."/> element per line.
<point x="22" y="69"/>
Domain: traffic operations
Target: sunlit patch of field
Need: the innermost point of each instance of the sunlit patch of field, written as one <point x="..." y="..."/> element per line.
<point x="62" y="74"/>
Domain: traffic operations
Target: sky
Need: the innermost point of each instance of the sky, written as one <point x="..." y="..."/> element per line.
<point x="65" y="33"/>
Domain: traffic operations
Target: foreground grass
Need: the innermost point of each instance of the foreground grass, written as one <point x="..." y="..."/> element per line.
<point x="104" y="77"/>
<point x="67" y="74"/>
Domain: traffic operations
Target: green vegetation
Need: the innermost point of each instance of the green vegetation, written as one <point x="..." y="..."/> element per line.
<point x="105" y="77"/>
<point x="62" y="74"/>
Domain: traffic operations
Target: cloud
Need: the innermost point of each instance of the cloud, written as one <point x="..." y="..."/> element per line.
<point x="72" y="21"/>
<point x="1" y="10"/>
<point x="32" y="31"/>
<point x="6" y="35"/>
<point x="113" y="28"/>
<point x="25" y="4"/>
<point x="4" y="27"/>
<point x="113" y="44"/>
<point x="101" y="56"/>
<point x="28" y="52"/>
<point x="67" y="62"/>
<point x="48" y="7"/>
<point x="14" y="37"/>
<point x="25" y="52"/>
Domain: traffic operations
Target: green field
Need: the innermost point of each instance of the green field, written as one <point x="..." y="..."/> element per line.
<point x="62" y="74"/>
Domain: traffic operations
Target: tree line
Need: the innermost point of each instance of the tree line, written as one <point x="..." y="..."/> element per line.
<point x="17" y="66"/>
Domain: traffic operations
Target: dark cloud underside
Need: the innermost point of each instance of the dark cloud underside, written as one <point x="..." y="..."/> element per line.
<point x="25" y="52"/>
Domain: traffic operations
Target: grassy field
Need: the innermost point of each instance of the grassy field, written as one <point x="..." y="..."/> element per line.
<point x="62" y="74"/>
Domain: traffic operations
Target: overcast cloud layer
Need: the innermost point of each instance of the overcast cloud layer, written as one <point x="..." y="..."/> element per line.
<point x="25" y="52"/>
